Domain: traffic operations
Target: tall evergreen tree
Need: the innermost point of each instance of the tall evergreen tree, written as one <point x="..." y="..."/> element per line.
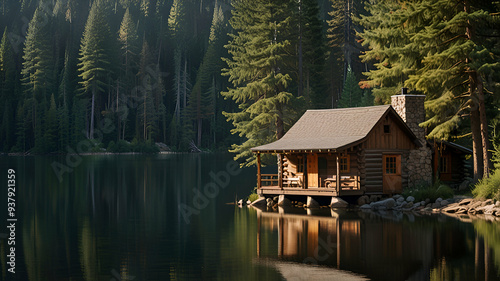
<point x="95" y="58"/>
<point x="351" y="94"/>
<point x="128" y="40"/>
<point x="37" y="73"/>
<point x="314" y="52"/>
<point x="8" y="99"/>
<point x="386" y="37"/>
<point x="258" y="49"/>
<point x="436" y="48"/>
<point x="177" y="21"/>
<point x="127" y="36"/>
<point x="152" y="94"/>
<point x="51" y="132"/>
<point x="342" y="34"/>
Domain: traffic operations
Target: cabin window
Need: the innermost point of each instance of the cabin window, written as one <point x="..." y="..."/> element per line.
<point x="344" y="164"/>
<point x="390" y="165"/>
<point x="444" y="167"/>
<point x="387" y="129"/>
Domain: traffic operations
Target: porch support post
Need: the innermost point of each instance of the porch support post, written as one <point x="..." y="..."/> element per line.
<point x="337" y="177"/>
<point x="258" y="171"/>
<point x="280" y="171"/>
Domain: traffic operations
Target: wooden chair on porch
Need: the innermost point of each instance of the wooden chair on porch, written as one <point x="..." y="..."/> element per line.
<point x="293" y="181"/>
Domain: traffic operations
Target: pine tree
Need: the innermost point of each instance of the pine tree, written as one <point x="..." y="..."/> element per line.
<point x="351" y="94"/>
<point x="63" y="126"/>
<point x="386" y="38"/>
<point x="436" y="48"/>
<point x="151" y="95"/>
<point x="37" y="75"/>
<point x="342" y="34"/>
<point x="203" y="96"/>
<point x="78" y="120"/>
<point x="258" y="49"/>
<point x="8" y="98"/>
<point x="200" y="102"/>
<point x="128" y="41"/>
<point x="51" y="132"/>
<point x="21" y="129"/>
<point x="314" y="52"/>
<point x="177" y="21"/>
<point x="127" y="36"/>
<point x="95" y="58"/>
<point x="457" y="58"/>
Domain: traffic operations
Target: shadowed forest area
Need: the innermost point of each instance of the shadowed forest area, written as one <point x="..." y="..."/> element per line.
<point x="219" y="74"/>
<point x="151" y="71"/>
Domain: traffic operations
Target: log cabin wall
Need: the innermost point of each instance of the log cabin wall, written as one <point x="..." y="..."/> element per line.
<point x="373" y="171"/>
<point x="289" y="165"/>
<point x="387" y="137"/>
<point x="387" y="134"/>
<point x="372" y="177"/>
<point x="361" y="164"/>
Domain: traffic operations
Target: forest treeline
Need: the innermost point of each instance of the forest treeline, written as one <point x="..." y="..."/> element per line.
<point x="150" y="70"/>
<point x="219" y="73"/>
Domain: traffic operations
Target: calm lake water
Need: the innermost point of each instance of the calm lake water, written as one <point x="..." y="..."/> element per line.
<point x="165" y="217"/>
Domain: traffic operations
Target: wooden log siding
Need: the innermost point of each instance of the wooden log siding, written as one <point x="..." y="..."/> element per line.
<point x="373" y="171"/>
<point x="291" y="165"/>
<point x="361" y="164"/>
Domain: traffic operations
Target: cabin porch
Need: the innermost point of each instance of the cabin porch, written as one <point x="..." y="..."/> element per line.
<point x="312" y="174"/>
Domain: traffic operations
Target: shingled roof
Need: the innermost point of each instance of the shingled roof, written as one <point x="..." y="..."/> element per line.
<point x="332" y="129"/>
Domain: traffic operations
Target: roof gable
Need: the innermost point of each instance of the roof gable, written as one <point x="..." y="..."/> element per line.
<point x="332" y="129"/>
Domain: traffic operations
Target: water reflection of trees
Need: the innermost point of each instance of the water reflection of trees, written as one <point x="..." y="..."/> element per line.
<point x="118" y="216"/>
<point x="107" y="212"/>
<point x="487" y="251"/>
<point x="390" y="247"/>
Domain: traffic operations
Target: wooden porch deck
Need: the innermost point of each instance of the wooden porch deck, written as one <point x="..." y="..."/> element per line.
<point x="311" y="191"/>
<point x="269" y="185"/>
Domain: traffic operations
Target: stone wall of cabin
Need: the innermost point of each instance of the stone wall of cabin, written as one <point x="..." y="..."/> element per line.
<point x="419" y="161"/>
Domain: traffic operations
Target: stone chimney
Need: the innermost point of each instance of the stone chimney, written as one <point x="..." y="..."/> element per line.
<point x="412" y="111"/>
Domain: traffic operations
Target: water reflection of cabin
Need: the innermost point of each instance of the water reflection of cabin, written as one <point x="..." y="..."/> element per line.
<point x="337" y="152"/>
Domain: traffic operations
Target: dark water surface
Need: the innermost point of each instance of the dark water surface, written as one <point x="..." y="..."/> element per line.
<point x="165" y="217"/>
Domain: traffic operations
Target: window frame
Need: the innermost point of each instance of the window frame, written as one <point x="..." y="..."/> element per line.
<point x="347" y="164"/>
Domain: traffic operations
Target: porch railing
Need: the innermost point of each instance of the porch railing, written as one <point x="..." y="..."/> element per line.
<point x="269" y="180"/>
<point x="348" y="182"/>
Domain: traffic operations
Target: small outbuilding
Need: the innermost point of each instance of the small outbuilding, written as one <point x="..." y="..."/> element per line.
<point x="354" y="151"/>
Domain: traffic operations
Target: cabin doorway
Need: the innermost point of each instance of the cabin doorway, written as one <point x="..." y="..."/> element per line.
<point x="392" y="174"/>
<point x="312" y="170"/>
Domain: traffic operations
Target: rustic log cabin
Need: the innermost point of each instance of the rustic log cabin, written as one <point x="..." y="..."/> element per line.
<point x="354" y="151"/>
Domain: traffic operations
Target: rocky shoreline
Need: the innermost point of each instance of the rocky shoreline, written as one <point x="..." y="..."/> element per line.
<point x="449" y="206"/>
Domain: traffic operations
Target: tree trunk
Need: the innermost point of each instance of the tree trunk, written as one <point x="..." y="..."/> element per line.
<point x="477" y="154"/>
<point x="144" y="118"/>
<point x="301" y="78"/>
<point x="91" y="136"/>
<point x="117" y="102"/>
<point x="484" y="128"/>
<point x="184" y="84"/>
<point x="280" y="131"/>
<point x="200" y="124"/>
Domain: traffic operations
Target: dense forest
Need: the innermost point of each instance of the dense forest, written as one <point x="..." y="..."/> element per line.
<point x="147" y="71"/>
<point x="219" y="74"/>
